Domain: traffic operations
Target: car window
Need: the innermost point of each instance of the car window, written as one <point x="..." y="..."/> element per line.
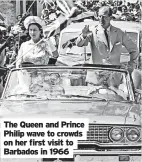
<point x="67" y="83"/>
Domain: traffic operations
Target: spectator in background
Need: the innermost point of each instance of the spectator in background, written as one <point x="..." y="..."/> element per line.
<point x="19" y="20"/>
<point x="3" y="44"/>
<point x="114" y="10"/>
<point x="135" y="10"/>
<point x="9" y="28"/>
<point x="115" y="3"/>
<point x="124" y="13"/>
<point x="89" y="4"/>
<point x="115" y="16"/>
<point x="124" y="9"/>
<point x="128" y="4"/>
<point x="119" y="3"/>
<point x="19" y="17"/>
<point x="45" y="16"/>
<point x="131" y="7"/>
<point x="119" y="11"/>
<point x="103" y="3"/>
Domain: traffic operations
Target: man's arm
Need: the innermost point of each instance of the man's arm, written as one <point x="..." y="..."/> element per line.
<point x="133" y="51"/>
<point x="85" y="37"/>
<point x="83" y="41"/>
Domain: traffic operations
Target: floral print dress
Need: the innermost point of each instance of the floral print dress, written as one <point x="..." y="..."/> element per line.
<point x="37" y="54"/>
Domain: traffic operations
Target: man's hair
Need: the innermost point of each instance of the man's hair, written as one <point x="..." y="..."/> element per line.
<point x="107" y="8"/>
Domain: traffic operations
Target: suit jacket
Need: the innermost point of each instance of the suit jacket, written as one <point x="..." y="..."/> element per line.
<point x="101" y="54"/>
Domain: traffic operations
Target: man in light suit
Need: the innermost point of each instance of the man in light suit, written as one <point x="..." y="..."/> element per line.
<point x="106" y="41"/>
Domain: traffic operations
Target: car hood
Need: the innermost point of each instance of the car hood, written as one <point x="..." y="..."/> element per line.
<point x="98" y="112"/>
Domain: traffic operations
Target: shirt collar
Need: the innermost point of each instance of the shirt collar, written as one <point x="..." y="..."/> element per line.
<point x="108" y="29"/>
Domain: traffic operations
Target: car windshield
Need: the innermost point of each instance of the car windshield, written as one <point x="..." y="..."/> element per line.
<point x="69" y="83"/>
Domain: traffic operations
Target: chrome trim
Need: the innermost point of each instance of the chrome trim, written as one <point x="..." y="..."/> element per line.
<point x="110" y="134"/>
<point x="110" y="144"/>
<point x="98" y="133"/>
<point x="93" y="152"/>
<point x="57" y="160"/>
<point x="131" y="129"/>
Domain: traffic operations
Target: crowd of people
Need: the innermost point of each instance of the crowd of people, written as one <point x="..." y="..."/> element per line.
<point x="121" y="11"/>
<point x="24" y="41"/>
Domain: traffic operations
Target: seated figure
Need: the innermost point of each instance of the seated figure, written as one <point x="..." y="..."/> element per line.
<point x="117" y="83"/>
<point x="55" y="87"/>
<point x="107" y="82"/>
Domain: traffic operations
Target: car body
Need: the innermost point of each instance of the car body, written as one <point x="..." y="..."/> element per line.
<point x="74" y="55"/>
<point x="68" y="91"/>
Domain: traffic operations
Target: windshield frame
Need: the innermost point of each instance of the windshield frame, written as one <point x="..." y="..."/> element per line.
<point x="89" y="66"/>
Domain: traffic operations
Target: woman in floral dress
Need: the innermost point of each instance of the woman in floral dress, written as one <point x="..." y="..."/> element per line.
<point x="37" y="50"/>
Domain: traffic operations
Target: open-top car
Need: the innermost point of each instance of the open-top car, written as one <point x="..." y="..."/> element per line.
<point x="103" y="94"/>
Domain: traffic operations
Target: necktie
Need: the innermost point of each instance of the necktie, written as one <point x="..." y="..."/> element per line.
<point x="107" y="38"/>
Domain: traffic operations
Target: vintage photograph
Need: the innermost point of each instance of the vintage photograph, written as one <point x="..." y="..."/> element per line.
<point x="75" y="59"/>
